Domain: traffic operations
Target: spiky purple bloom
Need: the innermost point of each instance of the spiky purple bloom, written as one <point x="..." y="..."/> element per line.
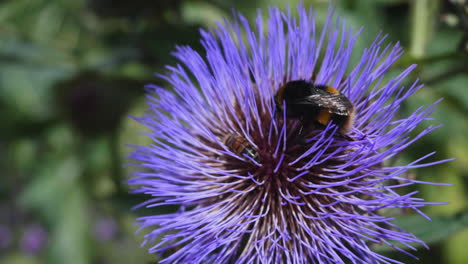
<point x="5" y="236"/>
<point x="34" y="239"/>
<point x="105" y="229"/>
<point x="313" y="196"/>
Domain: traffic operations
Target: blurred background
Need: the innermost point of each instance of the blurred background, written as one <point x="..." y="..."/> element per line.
<point x="72" y="71"/>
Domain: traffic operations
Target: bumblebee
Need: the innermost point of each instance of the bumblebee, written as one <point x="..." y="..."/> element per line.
<point x="315" y="103"/>
<point x="240" y="146"/>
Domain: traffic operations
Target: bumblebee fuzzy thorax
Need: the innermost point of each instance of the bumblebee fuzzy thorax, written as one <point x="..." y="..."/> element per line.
<point x="315" y="104"/>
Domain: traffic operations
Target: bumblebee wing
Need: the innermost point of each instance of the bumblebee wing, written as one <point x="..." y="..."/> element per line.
<point x="334" y="103"/>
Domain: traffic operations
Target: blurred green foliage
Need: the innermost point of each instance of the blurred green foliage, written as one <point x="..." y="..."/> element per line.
<point x="71" y="71"/>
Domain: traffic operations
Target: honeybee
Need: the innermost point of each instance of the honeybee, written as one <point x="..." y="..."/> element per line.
<point x="240" y="146"/>
<point x="315" y="103"/>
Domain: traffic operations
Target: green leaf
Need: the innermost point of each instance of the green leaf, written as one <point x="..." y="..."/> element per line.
<point x="70" y="242"/>
<point x="56" y="174"/>
<point x="437" y="230"/>
<point x="17" y="258"/>
<point x="202" y="13"/>
<point x="25" y="87"/>
<point x="50" y="188"/>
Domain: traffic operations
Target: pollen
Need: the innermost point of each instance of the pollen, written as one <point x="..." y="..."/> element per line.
<point x="324" y="117"/>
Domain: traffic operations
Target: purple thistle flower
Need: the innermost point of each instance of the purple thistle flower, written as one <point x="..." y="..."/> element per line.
<point x="33" y="240"/>
<point x="5" y="236"/>
<point x="272" y="193"/>
<point x="105" y="229"/>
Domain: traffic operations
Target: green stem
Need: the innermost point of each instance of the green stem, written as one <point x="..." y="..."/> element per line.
<point x="423" y="14"/>
<point x="116" y="166"/>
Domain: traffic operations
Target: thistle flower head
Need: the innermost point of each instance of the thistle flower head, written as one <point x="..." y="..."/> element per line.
<point x="256" y="186"/>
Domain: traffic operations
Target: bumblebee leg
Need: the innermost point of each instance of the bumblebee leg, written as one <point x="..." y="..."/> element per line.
<point x="304" y="123"/>
<point x="300" y="130"/>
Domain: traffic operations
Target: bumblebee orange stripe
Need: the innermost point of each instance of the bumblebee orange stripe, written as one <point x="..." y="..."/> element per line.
<point x="332" y="90"/>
